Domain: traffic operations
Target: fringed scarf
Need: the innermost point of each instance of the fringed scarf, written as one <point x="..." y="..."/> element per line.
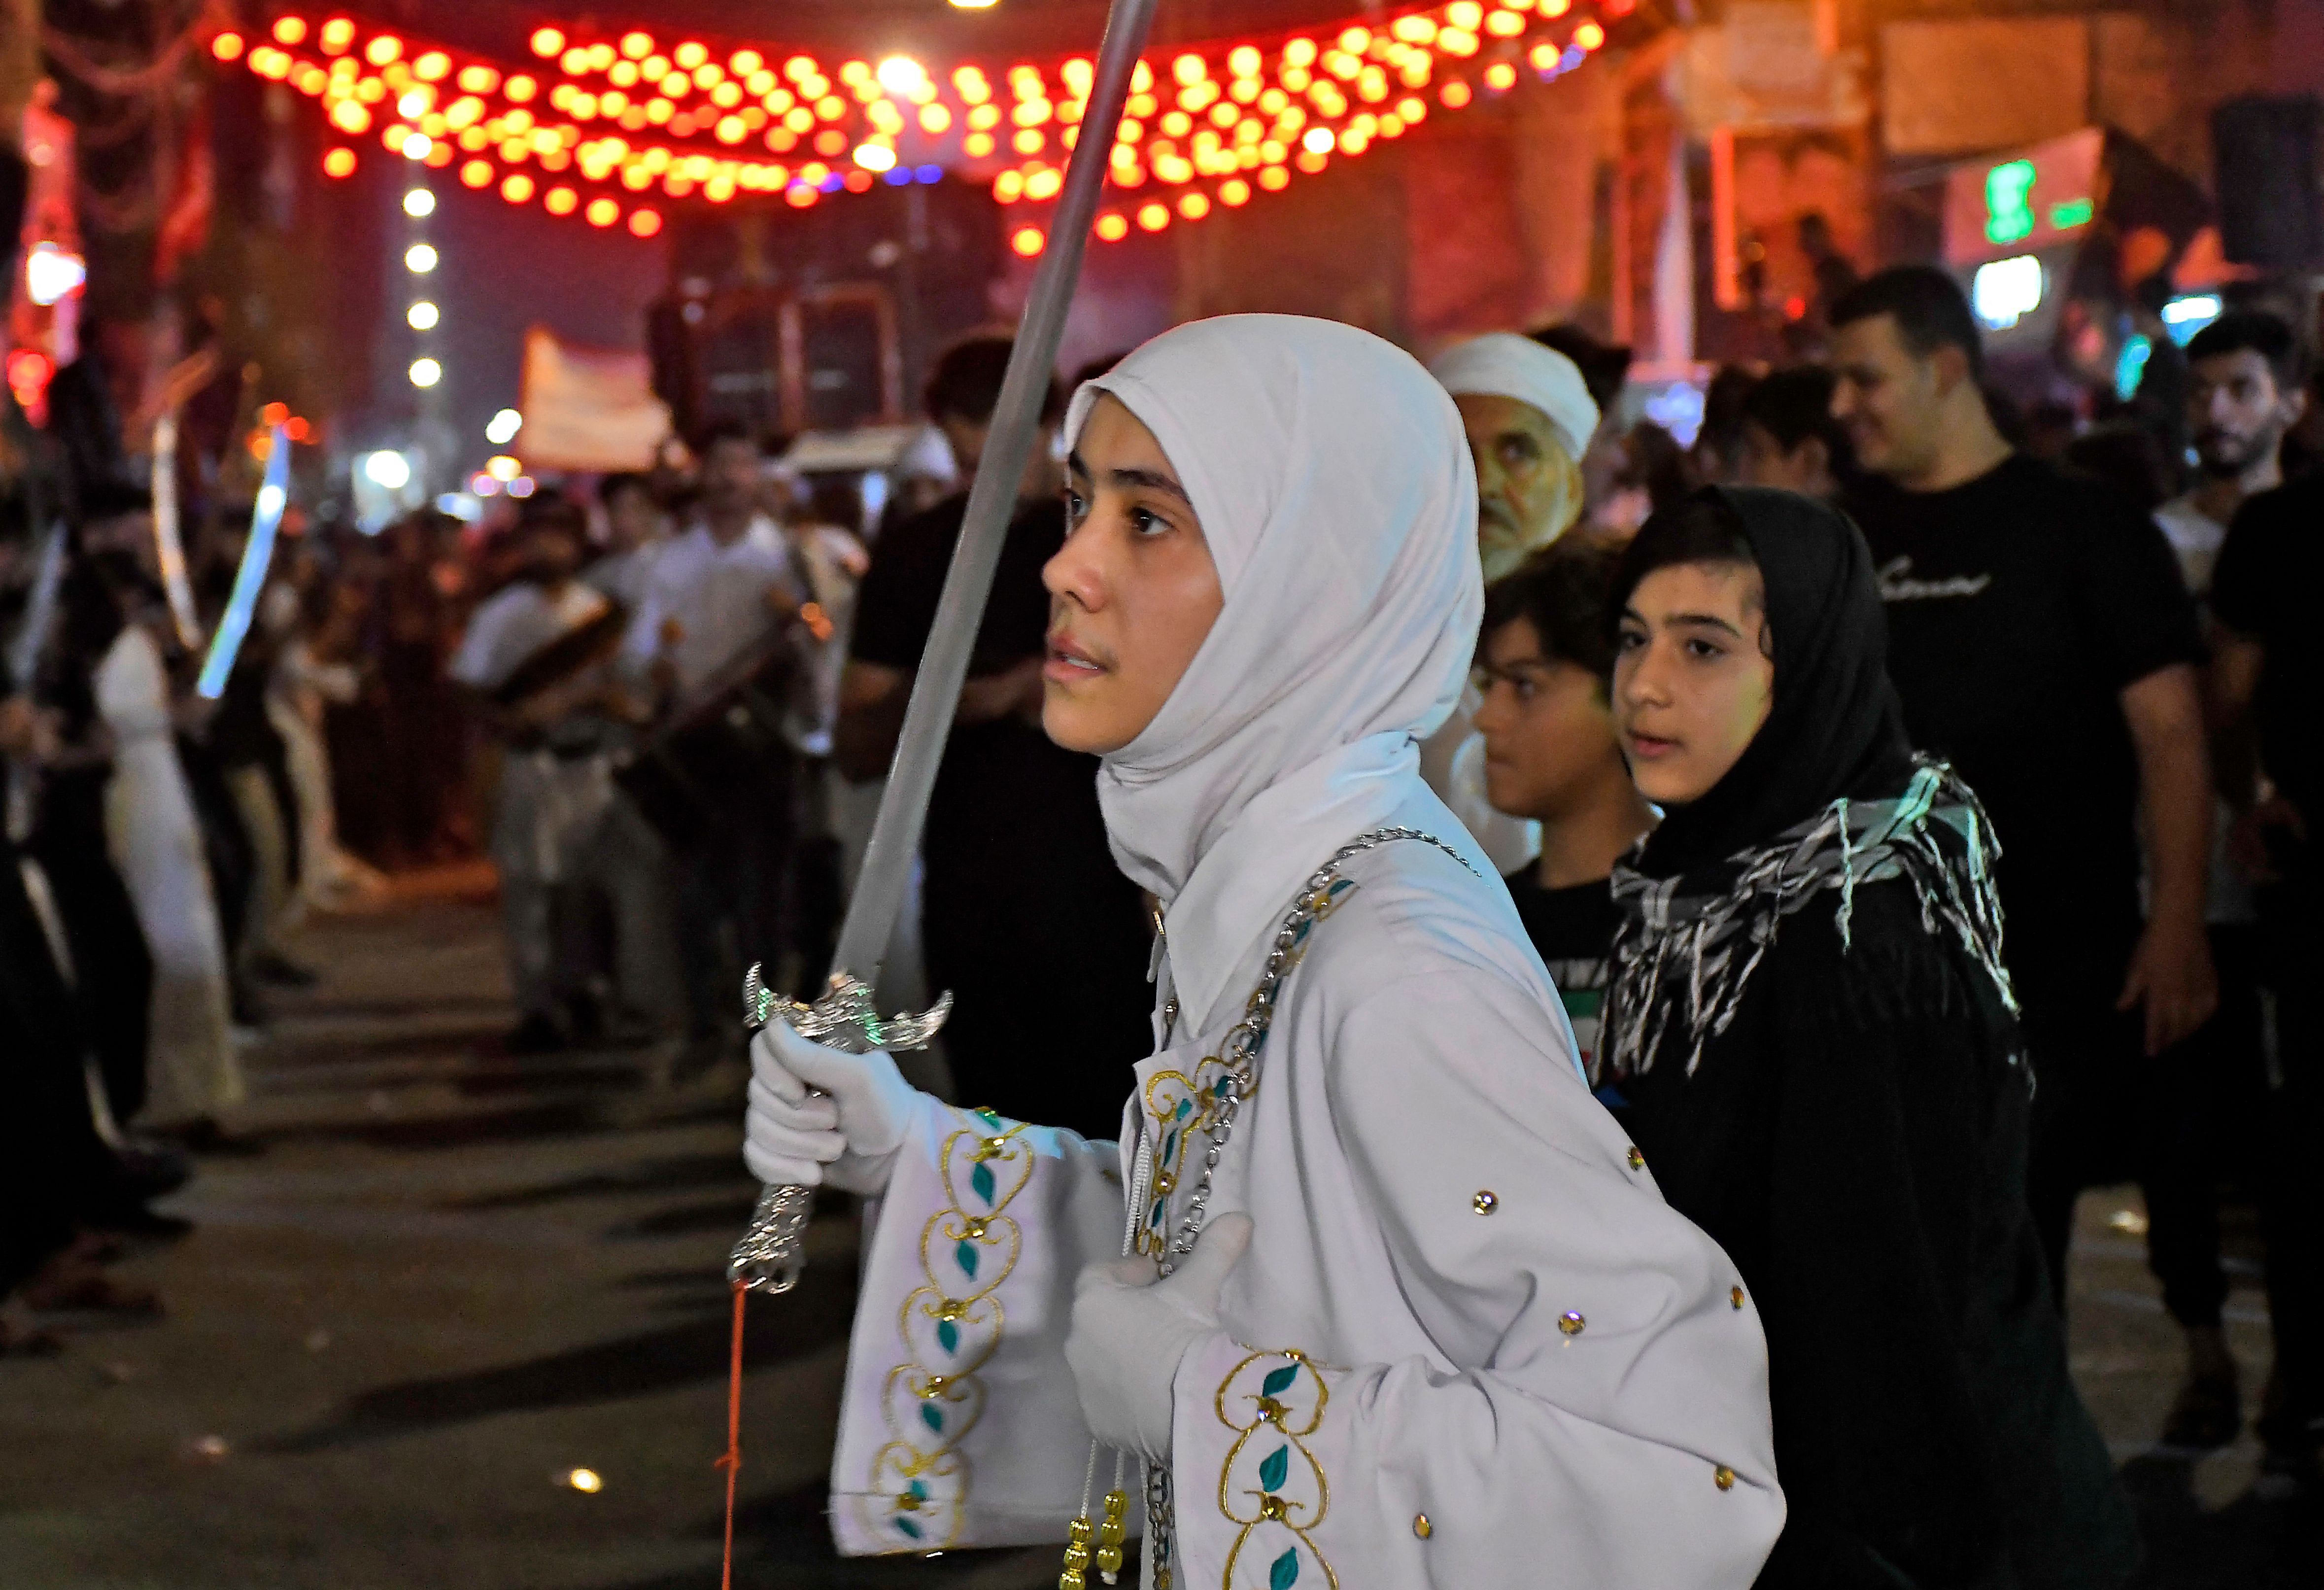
<point x="1689" y="943"/>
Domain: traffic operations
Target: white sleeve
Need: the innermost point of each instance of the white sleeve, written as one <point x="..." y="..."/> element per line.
<point x="133" y="694"/>
<point x="1597" y="1398"/>
<point x="959" y="1425"/>
<point x="474" y="663"/>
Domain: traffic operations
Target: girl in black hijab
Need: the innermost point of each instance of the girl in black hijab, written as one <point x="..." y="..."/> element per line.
<point x="1816" y="1041"/>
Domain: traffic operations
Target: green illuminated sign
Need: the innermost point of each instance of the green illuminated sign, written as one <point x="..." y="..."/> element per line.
<point x="2073" y="213"/>
<point x="2007" y="215"/>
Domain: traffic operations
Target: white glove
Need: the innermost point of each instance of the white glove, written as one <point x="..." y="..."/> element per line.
<point x="1130" y="1332"/>
<point x="847" y="1139"/>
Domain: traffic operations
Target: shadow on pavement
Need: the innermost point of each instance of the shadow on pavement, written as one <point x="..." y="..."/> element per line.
<point x="668" y="1174"/>
<point x="640" y="1365"/>
<point x="2253" y="1543"/>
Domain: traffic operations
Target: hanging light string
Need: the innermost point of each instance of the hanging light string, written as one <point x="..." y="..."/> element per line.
<point x="610" y="129"/>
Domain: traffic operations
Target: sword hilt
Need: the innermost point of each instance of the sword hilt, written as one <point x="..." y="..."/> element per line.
<point x="774" y="1250"/>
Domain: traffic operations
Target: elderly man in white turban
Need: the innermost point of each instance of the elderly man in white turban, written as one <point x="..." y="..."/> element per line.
<point x="1371" y="1291"/>
<point x="1529" y="418"/>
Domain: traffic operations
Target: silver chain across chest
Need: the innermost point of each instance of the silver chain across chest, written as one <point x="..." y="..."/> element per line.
<point x="1239" y="1051"/>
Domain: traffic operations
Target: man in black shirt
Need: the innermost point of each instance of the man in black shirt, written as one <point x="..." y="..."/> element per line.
<point x="1025" y="917"/>
<point x="1551" y="756"/>
<point x="2266" y="681"/>
<point x="2043" y="643"/>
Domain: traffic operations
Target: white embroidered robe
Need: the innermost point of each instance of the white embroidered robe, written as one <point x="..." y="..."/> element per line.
<point x="1468" y="1345"/>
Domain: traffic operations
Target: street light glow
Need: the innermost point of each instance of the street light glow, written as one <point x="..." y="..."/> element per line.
<point x="501" y="428"/>
<point x="419" y="201"/>
<point x="426" y="372"/>
<point x="420" y="258"/>
<point x="422" y="315"/>
<point x="388" y="469"/>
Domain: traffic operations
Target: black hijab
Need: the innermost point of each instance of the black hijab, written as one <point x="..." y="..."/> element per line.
<point x="1835" y="727"/>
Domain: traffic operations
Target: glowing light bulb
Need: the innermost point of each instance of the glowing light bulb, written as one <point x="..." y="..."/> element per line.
<point x="420" y="259"/>
<point x="390" y="470"/>
<point x="419" y="201"/>
<point x="425" y="372"/>
<point x="501" y="428"/>
<point x="422" y="315"/>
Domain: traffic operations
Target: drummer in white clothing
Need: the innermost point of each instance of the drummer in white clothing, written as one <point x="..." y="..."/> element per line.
<point x="1371" y="1291"/>
<point x="725" y="590"/>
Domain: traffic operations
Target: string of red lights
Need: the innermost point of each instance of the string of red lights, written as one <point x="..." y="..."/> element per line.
<point x="594" y="128"/>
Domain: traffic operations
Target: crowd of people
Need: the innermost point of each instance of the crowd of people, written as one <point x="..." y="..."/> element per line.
<point x="1913" y="828"/>
<point x="1722" y="697"/>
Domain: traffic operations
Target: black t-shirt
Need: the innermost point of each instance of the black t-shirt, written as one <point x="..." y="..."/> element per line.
<point x="2020" y="604"/>
<point x="991" y="770"/>
<point x="1573" y="931"/>
<point x="2264" y="589"/>
<point x="1020" y="890"/>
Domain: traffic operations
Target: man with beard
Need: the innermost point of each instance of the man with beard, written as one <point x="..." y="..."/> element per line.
<point x="1528" y="416"/>
<point x="2264" y="684"/>
<point x="2244" y="393"/>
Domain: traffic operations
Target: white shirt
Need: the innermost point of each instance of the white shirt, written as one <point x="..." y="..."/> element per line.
<point x="2195" y="537"/>
<point x="514" y="624"/>
<point x="624" y="576"/>
<point x="715" y="597"/>
<point x="1464" y="1295"/>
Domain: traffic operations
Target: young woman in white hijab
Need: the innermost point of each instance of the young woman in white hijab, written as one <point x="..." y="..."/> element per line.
<point x="1400" y="1305"/>
<point x="1528" y="418"/>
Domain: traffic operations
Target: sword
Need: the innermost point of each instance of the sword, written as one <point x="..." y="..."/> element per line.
<point x="769" y="1256"/>
<point x="169" y="546"/>
<point x="250" y="579"/>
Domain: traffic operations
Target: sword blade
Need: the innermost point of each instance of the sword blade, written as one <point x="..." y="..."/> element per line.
<point x="168" y="545"/>
<point x="895" y="839"/>
<point x="250" y="579"/>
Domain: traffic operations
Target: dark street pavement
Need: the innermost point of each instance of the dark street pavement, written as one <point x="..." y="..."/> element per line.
<point x="452" y="1279"/>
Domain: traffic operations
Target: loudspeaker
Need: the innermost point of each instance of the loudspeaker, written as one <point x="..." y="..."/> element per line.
<point x="2264" y="156"/>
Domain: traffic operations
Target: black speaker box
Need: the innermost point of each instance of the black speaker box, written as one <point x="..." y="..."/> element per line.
<point x="2265" y="159"/>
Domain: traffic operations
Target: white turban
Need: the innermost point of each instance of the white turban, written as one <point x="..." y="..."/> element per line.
<point x="1502" y="363"/>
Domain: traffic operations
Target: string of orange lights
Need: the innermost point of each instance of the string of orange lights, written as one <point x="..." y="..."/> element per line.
<point x="610" y="129"/>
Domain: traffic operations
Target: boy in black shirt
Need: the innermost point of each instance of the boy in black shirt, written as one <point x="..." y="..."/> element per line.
<point x="1547" y="649"/>
<point x="2043" y="643"/>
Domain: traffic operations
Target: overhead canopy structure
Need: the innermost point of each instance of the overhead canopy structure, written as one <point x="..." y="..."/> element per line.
<point x="614" y="125"/>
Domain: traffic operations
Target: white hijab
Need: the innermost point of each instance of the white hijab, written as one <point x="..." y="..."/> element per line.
<point x="1334" y="486"/>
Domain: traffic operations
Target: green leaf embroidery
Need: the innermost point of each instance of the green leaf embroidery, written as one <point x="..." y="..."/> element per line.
<point x="1340" y="888"/>
<point x="1170" y="1147"/>
<point x="1283" y="1571"/>
<point x="920" y="1488"/>
<point x="907" y="1525"/>
<point x="948" y="1334"/>
<point x="1184" y="1104"/>
<point x="991" y="1118"/>
<point x="980" y="1178"/>
<point x="965" y="1256"/>
<point x="932" y="1416"/>
<point x="1275" y="1468"/>
<point x="1279" y="1381"/>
